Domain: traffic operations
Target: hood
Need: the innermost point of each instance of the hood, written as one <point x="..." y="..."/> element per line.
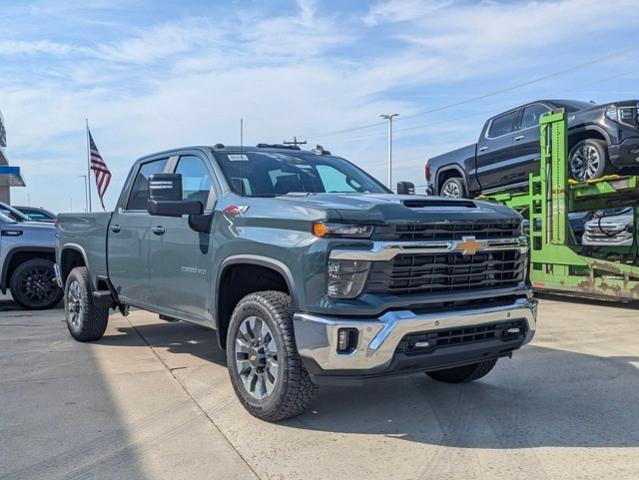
<point x="394" y="209"/>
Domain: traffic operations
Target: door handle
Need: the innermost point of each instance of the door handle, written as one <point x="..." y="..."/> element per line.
<point x="483" y="149"/>
<point x="520" y="137"/>
<point x="159" y="230"/>
<point x="116" y="228"/>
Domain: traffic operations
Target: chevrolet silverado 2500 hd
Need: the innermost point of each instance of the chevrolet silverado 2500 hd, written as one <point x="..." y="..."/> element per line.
<point x="601" y="139"/>
<point x="309" y="269"/>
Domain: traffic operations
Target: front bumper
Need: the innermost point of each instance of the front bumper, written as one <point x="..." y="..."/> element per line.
<point x="378" y="338"/>
<point x="625" y="155"/>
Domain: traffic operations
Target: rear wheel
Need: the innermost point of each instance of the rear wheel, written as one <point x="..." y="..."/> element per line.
<point x="588" y="160"/>
<point x="453" y="187"/>
<point x="33" y="284"/>
<point x="464" y="374"/>
<point x="85" y="321"/>
<point x="265" y="369"/>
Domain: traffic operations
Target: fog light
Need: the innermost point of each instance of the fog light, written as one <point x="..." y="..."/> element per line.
<point x="346" y="340"/>
<point x="346" y="278"/>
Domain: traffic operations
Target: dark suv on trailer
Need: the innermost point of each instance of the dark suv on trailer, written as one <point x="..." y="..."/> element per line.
<point x="601" y="139"/>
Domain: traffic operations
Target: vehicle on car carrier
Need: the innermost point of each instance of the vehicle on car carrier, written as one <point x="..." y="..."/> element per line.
<point x="602" y="139"/>
<point x="310" y="270"/>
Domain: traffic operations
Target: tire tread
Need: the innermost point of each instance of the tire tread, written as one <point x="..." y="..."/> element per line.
<point x="298" y="388"/>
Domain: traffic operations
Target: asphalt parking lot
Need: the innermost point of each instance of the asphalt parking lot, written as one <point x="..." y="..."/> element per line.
<point x="152" y="400"/>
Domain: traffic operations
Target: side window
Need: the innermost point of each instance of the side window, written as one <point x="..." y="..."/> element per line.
<point x="140" y="192"/>
<point x="335" y="181"/>
<point x="503" y="125"/>
<point x="532" y="115"/>
<point x="196" y="179"/>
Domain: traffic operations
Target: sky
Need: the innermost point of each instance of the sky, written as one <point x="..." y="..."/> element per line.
<point x="151" y="75"/>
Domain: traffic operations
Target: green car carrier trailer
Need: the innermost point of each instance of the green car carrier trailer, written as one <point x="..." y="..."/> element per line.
<point x="558" y="263"/>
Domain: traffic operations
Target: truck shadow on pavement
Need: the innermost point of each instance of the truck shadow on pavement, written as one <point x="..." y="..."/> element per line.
<point x="542" y="397"/>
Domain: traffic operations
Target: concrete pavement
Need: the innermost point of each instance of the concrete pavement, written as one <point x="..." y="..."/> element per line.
<point x="152" y="400"/>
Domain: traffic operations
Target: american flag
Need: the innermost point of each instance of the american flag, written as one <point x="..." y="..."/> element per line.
<point x="99" y="167"/>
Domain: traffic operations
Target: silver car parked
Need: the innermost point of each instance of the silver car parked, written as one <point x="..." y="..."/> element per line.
<point x="27" y="252"/>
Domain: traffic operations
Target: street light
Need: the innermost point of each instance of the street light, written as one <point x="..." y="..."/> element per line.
<point x="389" y="117"/>
<point x="86" y="193"/>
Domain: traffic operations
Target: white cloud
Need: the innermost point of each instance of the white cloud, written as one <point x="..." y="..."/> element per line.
<point x="393" y="11"/>
<point x="37" y="47"/>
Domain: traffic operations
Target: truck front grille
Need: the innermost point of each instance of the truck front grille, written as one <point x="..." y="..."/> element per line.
<point x="423" y="342"/>
<point x="442" y="272"/>
<point x="455" y="231"/>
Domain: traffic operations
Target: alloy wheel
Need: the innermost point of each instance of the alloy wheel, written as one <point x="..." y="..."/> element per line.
<point x="256" y="357"/>
<point x="451" y="189"/>
<point x="584" y="163"/>
<point x="74" y="304"/>
<point x="38" y="285"/>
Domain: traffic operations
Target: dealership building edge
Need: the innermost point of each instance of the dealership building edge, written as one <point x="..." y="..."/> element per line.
<point x="10" y="176"/>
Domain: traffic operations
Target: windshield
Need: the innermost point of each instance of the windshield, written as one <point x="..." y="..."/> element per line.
<point x="269" y="174"/>
<point x="12" y="213"/>
<point x="5" y="219"/>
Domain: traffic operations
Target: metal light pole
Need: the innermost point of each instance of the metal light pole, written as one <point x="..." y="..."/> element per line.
<point x="86" y="192"/>
<point x="389" y="117"/>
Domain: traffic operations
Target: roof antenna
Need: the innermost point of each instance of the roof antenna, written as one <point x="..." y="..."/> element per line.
<point x="241" y="135"/>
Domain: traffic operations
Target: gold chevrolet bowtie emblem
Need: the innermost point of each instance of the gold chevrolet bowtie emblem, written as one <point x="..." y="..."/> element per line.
<point x="469" y="246"/>
<point x="253" y="357"/>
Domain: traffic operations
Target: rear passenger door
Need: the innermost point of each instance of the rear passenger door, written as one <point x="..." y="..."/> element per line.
<point x="129" y="237"/>
<point x="526" y="142"/>
<point x="180" y="263"/>
<point x="496" y="156"/>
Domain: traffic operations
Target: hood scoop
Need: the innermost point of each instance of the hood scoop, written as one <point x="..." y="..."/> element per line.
<point x="438" y="202"/>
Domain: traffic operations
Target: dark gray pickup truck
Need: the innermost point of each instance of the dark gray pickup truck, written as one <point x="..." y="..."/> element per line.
<point x="601" y="139"/>
<point x="309" y="269"/>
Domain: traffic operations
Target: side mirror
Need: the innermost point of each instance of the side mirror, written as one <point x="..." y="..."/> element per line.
<point x="405" y="188"/>
<point x="165" y="197"/>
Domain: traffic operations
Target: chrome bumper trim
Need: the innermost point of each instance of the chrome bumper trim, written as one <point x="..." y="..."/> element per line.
<point x="316" y="336"/>
<point x="385" y="251"/>
<point x="58" y="275"/>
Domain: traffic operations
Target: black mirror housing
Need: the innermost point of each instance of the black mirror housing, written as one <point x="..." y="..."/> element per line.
<point x="405" y="188"/>
<point x="165" y="197"/>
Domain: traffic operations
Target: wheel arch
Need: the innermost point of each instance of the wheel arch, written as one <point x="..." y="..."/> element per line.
<point x="582" y="133"/>
<point x="71" y="256"/>
<point x="259" y="273"/>
<point x="18" y="255"/>
<point x="448" y="172"/>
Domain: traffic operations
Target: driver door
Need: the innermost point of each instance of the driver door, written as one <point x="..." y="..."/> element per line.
<point x="180" y="259"/>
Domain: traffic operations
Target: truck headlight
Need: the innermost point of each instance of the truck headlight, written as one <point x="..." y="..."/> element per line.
<point x="624" y="114"/>
<point x="338" y="230"/>
<point x="346" y="278"/>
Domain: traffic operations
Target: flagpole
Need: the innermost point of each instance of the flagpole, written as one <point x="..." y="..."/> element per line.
<point x="88" y="164"/>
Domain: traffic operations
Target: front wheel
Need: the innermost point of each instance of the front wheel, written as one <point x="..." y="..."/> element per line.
<point x="464" y="374"/>
<point x="33" y="284"/>
<point x="85" y="321"/>
<point x="265" y="369"/>
<point x="588" y="160"/>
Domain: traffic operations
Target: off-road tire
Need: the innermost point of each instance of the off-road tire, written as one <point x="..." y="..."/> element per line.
<point x="91" y="321"/>
<point x="293" y="390"/>
<point x="464" y="374"/>
<point x="603" y="165"/>
<point x="26" y="272"/>
<point x="453" y="184"/>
